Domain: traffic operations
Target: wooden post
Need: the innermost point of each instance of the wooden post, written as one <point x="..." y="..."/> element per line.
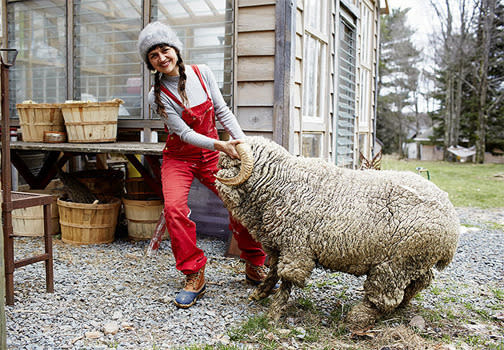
<point x="285" y="32"/>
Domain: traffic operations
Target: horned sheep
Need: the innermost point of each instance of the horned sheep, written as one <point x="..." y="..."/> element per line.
<point x="391" y="226"/>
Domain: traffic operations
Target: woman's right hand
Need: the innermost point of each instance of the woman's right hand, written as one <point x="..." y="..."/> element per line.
<point x="228" y="147"/>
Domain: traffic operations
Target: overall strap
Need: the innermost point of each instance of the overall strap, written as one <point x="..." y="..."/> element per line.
<point x="172" y="96"/>
<point x="198" y="73"/>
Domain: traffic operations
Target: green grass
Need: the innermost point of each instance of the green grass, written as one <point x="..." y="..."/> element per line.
<point x="468" y="185"/>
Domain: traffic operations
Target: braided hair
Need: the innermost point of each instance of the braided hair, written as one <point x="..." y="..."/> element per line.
<point x="157" y="81"/>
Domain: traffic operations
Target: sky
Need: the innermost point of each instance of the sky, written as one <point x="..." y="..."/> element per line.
<point x="421" y="17"/>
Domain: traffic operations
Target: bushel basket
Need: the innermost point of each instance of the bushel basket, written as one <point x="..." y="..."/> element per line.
<point x="91" y="121"/>
<point x="37" y="118"/>
<point x="83" y="223"/>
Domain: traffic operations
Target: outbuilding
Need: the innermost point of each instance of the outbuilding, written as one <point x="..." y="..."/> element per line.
<point x="300" y="72"/>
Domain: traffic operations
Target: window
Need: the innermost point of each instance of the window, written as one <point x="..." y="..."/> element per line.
<point x="312" y="145"/>
<point x="37" y="31"/>
<point x="346" y="95"/>
<point x="206" y="31"/>
<point x="314" y="58"/>
<point x="314" y="74"/>
<point x="366" y="61"/>
<point x="106" y="61"/>
<point x="102" y="61"/>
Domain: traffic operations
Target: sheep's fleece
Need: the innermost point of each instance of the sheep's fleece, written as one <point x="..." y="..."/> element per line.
<point x="392" y="226"/>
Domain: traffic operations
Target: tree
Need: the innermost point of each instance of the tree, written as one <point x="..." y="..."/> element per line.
<point x="470" y="74"/>
<point x="453" y="61"/>
<point x="485" y="35"/>
<point x="398" y="80"/>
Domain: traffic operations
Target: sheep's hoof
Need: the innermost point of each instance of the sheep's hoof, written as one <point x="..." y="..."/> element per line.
<point x="256" y="295"/>
<point x="274" y="315"/>
<point x="361" y="316"/>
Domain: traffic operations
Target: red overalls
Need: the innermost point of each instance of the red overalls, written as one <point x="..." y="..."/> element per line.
<point x="181" y="163"/>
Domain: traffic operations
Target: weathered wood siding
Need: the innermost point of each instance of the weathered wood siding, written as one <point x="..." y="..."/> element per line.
<point x="254" y="65"/>
<point x="298" y="80"/>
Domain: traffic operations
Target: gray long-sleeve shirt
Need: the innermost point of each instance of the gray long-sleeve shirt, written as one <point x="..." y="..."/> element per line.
<point x="196" y="96"/>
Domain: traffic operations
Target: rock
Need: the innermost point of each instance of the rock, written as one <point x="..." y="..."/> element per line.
<point x="301" y="332"/>
<point x="111" y="328"/>
<point x="417" y="322"/>
<point x="284" y="331"/>
<point x="93" y="335"/>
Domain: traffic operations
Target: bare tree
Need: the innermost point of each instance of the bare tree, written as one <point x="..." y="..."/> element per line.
<point x="484" y="35"/>
<point x="454" y="61"/>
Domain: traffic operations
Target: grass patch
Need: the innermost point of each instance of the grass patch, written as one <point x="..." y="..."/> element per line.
<point x="256" y="325"/>
<point x="211" y="347"/>
<point x="495" y="226"/>
<point x="498" y="293"/>
<point x="468" y="185"/>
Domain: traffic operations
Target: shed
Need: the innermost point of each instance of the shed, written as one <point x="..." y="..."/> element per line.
<point x="301" y="72"/>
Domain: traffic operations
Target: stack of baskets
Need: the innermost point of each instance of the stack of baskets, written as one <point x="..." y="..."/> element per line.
<point x="79" y="122"/>
<point x="84" y="122"/>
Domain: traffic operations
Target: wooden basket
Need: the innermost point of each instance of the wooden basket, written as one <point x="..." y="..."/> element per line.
<point x="142" y="216"/>
<point x="91" y="121"/>
<point x="83" y="223"/>
<point x="29" y="222"/>
<point x="37" y="118"/>
<point x="137" y="188"/>
<point x="103" y="183"/>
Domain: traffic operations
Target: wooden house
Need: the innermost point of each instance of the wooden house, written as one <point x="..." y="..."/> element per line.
<point x="301" y="72"/>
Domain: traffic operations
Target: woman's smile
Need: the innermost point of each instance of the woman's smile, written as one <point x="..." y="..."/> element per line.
<point x="164" y="60"/>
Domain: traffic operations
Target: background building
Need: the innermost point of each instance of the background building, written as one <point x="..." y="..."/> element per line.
<point x="300" y="72"/>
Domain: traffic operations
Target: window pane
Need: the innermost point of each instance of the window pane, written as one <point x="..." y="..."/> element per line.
<point x="107" y="64"/>
<point x="37" y="31"/>
<point x="316" y="14"/>
<point x="313" y="71"/>
<point x="206" y="31"/>
<point x="312" y="145"/>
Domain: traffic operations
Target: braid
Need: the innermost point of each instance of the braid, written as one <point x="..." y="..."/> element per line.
<point x="182" y="79"/>
<point x="157" y="95"/>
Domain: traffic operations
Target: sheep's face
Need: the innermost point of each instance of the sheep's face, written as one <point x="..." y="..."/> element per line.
<point x="228" y="167"/>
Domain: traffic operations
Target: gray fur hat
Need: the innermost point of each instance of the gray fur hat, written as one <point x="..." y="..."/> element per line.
<point x="156" y="33"/>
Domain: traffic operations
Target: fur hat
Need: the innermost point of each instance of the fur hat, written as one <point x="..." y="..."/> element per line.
<point x="153" y="34"/>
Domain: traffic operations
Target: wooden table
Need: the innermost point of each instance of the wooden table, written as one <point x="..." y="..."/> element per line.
<point x="60" y="153"/>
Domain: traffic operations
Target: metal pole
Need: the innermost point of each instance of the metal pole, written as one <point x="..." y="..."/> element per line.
<point x="6" y="175"/>
<point x="6" y="194"/>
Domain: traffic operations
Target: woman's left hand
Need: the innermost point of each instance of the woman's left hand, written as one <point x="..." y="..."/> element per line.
<point x="228" y="147"/>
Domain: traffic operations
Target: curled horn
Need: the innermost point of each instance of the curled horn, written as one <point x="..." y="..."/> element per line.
<point x="247" y="164"/>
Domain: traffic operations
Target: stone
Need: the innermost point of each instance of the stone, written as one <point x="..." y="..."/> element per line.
<point x="417" y="322"/>
<point x="111" y="328"/>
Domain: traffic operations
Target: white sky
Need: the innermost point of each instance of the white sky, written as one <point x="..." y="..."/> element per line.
<point x="421" y="17"/>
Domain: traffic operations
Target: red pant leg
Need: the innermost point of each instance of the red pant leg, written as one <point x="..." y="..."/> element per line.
<point x="251" y="250"/>
<point x="177" y="177"/>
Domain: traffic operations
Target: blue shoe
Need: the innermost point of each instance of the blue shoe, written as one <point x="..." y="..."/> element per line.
<point x="194" y="289"/>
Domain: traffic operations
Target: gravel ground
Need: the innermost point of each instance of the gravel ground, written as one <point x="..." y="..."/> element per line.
<point x="113" y="296"/>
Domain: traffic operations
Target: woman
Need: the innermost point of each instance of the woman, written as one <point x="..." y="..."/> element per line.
<point x="188" y="100"/>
